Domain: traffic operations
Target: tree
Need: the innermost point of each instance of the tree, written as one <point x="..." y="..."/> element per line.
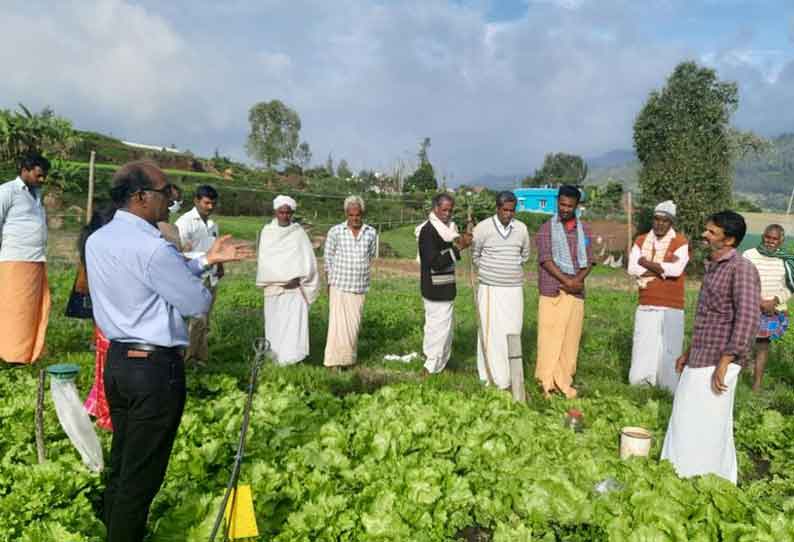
<point x="23" y="132"/>
<point x="343" y="170"/>
<point x="685" y="145"/>
<point x="559" y="168"/>
<point x="605" y="199"/>
<point x="424" y="178"/>
<point x="303" y="155"/>
<point x="274" y="133"/>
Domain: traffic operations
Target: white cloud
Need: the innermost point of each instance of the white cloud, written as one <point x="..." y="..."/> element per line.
<point x="368" y="78"/>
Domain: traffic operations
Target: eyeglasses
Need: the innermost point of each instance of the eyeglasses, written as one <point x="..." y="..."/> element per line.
<point x="167" y="191"/>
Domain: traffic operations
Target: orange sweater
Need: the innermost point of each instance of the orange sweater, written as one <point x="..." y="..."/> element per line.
<point x="665" y="292"/>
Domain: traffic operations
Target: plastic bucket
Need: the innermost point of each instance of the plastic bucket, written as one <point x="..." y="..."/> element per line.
<point x="634" y="441"/>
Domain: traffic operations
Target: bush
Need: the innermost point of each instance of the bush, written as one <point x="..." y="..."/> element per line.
<point x="533" y="221"/>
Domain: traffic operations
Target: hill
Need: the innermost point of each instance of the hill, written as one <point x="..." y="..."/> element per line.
<point x="766" y="180"/>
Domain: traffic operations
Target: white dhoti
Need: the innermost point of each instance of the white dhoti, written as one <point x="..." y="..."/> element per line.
<point x="658" y="340"/>
<point x="699" y="437"/>
<point x="501" y="314"/>
<point x="287" y="326"/>
<point x="437" y="344"/>
<point x="344" y="321"/>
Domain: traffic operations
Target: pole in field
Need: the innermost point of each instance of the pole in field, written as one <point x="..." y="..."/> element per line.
<point x="516" y="368"/>
<point x="89" y="207"/>
<point x="40" y="450"/>
<point x="629" y="220"/>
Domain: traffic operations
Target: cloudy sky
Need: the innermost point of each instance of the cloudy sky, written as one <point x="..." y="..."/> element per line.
<point x="495" y="84"/>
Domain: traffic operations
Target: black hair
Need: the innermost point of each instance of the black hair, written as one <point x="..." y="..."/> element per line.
<point x="441" y="197"/>
<point x="32" y="160"/>
<point x="99" y="218"/>
<point x="505" y="197"/>
<point x="570" y="191"/>
<point x="206" y="191"/>
<point x="732" y="224"/>
<point x="131" y="179"/>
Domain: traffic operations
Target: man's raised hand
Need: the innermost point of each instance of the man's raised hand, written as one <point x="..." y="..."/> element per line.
<point x="225" y="249"/>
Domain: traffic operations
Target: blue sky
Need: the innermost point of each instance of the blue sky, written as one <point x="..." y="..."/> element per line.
<point x="495" y="84"/>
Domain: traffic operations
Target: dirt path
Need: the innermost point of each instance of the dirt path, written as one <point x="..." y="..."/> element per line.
<point x="63" y="249"/>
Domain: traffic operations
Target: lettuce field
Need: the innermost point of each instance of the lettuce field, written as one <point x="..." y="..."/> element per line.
<point x="378" y="454"/>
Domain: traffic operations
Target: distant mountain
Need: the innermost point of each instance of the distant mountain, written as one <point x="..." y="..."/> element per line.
<point x="610" y="159"/>
<point x="496" y="182"/>
<point x="766" y="180"/>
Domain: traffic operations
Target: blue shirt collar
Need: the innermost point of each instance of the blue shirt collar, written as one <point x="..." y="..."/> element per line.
<point x="138" y="222"/>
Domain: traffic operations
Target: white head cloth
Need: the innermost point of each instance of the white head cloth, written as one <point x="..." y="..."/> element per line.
<point x="281" y="201"/>
<point x="665" y="208"/>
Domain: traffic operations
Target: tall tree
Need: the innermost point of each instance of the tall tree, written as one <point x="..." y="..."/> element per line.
<point x="343" y="170"/>
<point x="274" y="133"/>
<point x="424" y="178"/>
<point x="303" y="155"/>
<point x="685" y="144"/>
<point x="559" y="168"/>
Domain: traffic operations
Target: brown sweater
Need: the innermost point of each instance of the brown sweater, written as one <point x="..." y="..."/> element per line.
<point x="665" y="292"/>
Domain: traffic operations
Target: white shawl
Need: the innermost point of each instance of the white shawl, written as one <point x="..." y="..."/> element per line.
<point x="448" y="232"/>
<point x="653" y="253"/>
<point x="285" y="253"/>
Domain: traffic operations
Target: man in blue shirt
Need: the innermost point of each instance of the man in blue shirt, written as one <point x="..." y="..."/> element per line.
<point x="24" y="291"/>
<point x="142" y="289"/>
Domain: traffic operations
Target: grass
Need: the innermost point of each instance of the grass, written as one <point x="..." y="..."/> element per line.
<point x="399" y="242"/>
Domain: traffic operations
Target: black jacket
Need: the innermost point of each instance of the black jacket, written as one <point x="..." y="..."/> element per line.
<point x="437" y="263"/>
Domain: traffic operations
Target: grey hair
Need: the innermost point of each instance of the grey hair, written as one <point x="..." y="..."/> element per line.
<point x="505" y="197"/>
<point x="354" y="200"/>
<point x="441" y="197"/>
<point x="777" y="227"/>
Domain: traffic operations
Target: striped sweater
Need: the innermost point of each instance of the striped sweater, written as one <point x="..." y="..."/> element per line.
<point x="499" y="253"/>
<point x="773" y="277"/>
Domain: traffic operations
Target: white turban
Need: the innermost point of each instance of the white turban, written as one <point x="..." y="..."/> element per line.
<point x="281" y="201"/>
<point x="666" y="208"/>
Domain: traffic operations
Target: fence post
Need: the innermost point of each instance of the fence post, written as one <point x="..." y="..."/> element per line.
<point x="89" y="206"/>
<point x="40" y="450"/>
<point x="629" y="213"/>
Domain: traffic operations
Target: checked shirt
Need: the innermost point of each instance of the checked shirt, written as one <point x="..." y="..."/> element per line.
<point x="727" y="315"/>
<point x="348" y="258"/>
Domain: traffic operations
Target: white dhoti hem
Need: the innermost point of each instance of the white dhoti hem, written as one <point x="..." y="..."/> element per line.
<point x="699" y="437"/>
<point x="658" y="341"/>
<point x="501" y="314"/>
<point x="287" y="326"/>
<point x="344" y="320"/>
<point x="437" y="344"/>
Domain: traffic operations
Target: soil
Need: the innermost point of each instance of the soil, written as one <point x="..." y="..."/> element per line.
<point x="610" y="235"/>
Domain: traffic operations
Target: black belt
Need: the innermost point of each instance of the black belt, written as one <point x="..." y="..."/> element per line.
<point x="142" y="350"/>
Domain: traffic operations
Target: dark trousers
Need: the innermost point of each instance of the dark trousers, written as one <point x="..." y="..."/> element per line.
<point x="146" y="398"/>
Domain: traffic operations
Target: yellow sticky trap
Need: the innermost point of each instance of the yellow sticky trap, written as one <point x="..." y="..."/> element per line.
<point x="241" y="521"/>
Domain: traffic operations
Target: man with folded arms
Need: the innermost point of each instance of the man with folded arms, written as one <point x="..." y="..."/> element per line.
<point x="657" y="261"/>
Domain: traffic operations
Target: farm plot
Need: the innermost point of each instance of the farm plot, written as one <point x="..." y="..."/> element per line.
<point x="378" y="454"/>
